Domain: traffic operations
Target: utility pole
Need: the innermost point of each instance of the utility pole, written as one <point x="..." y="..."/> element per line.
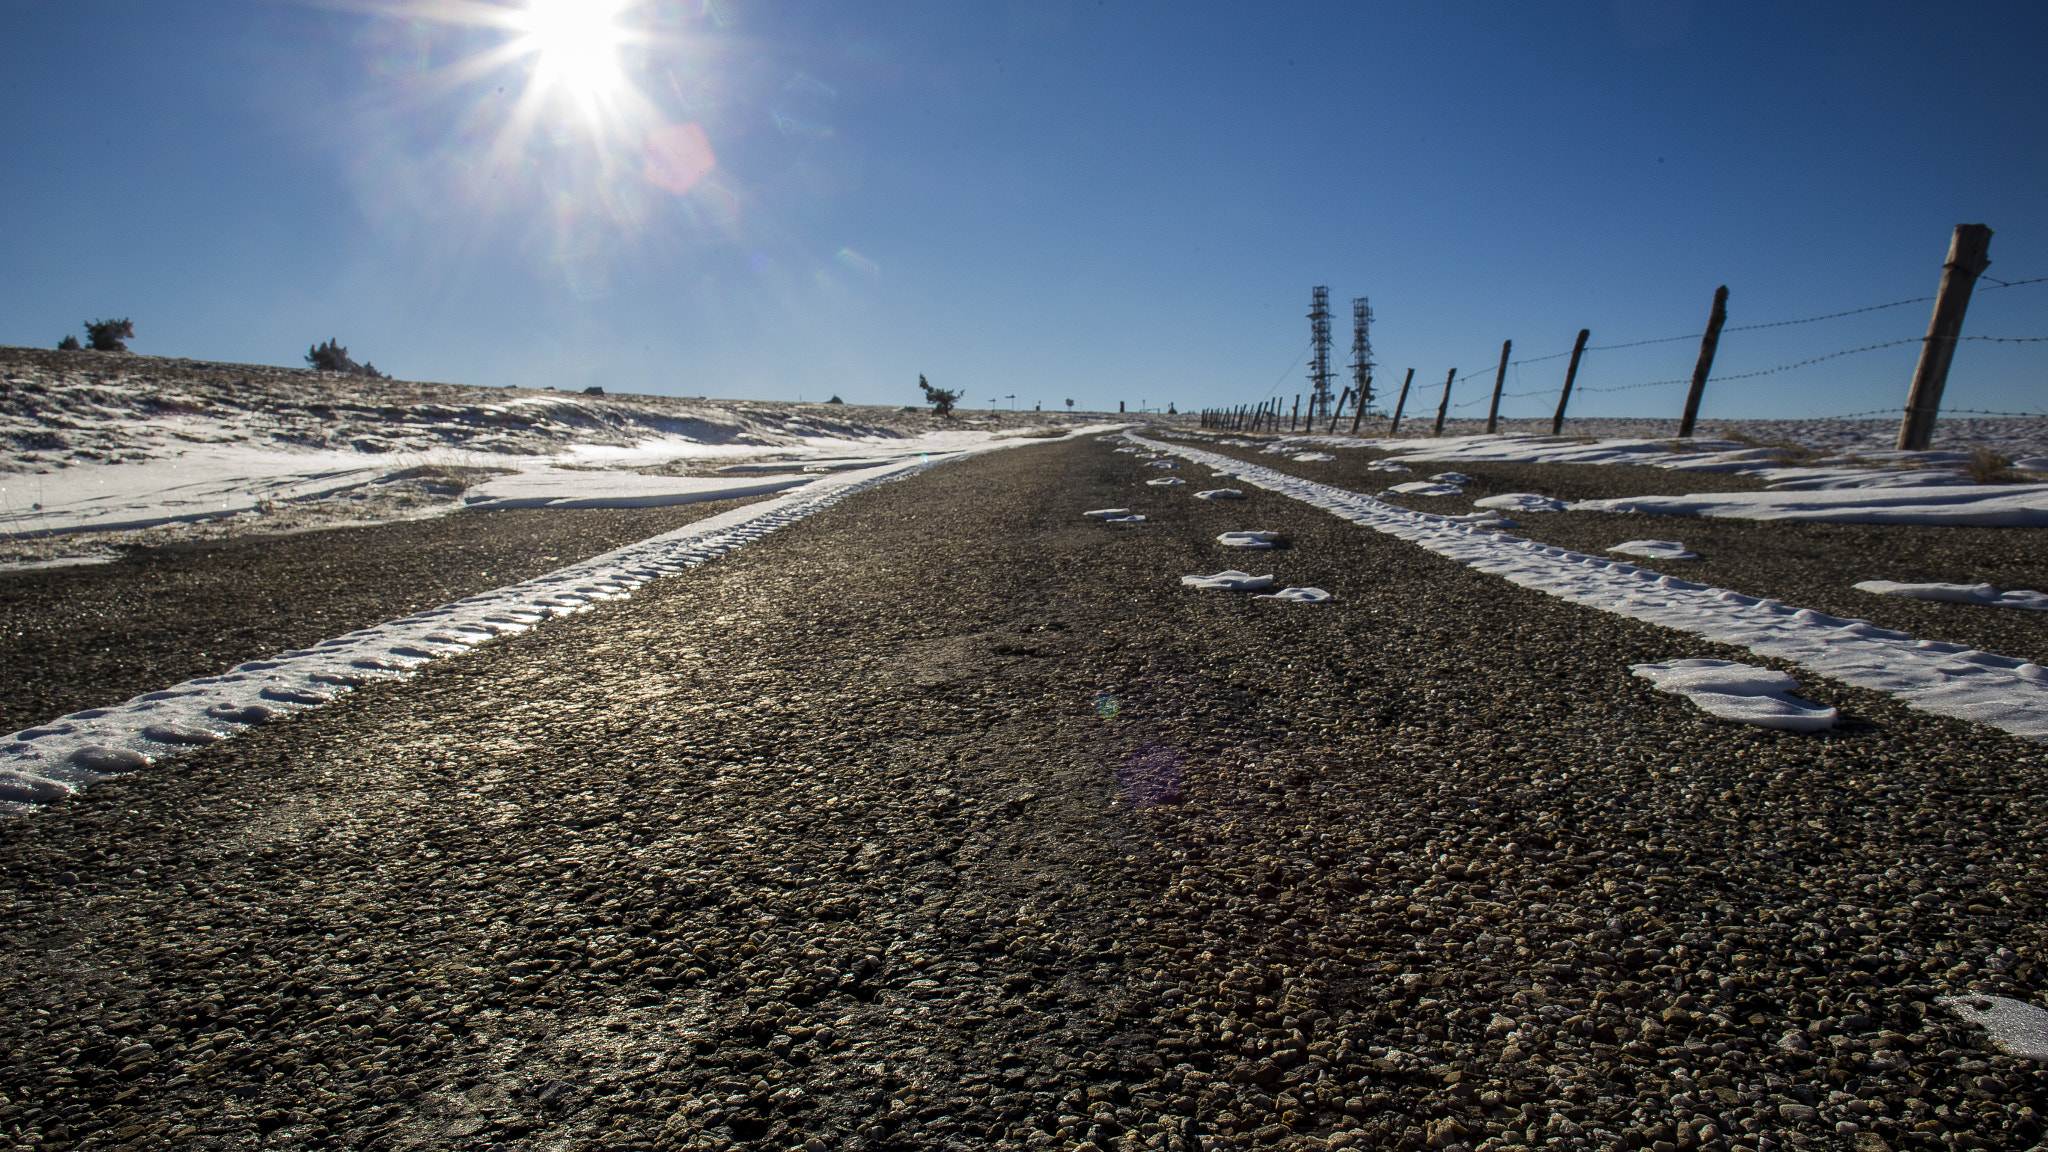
<point x="1319" y="336"/>
<point x="1499" y="378"/>
<point x="1570" y="374"/>
<point x="1968" y="257"/>
<point x="1708" y="343"/>
<point x="1445" y="405"/>
<point x="1361" y="355"/>
<point x="1395" y="428"/>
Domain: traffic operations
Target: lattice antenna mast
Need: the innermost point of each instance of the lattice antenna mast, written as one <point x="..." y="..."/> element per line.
<point x="1361" y="351"/>
<point x="1319" y="373"/>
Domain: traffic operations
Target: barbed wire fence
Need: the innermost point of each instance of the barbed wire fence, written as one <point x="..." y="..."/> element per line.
<point x="1994" y="284"/>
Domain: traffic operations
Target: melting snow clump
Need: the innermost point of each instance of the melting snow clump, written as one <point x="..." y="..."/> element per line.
<point x="1162" y="464"/>
<point x="1983" y="594"/>
<point x="1740" y="692"/>
<point x="1311" y="457"/>
<point x="1425" y="488"/>
<point x="1249" y="539"/>
<point x="1451" y="478"/>
<point x="2017" y="1027"/>
<point x="1298" y="595"/>
<point x="1220" y="494"/>
<point x="1520" y="502"/>
<point x="1108" y="513"/>
<point x="1655" y="549"/>
<point x="1229" y="580"/>
<point x="1166" y="481"/>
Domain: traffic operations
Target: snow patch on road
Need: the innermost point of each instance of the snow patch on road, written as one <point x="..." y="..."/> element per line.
<point x="1425" y="488"/>
<point x="1981" y="594"/>
<point x="1249" y="539"/>
<point x="1655" y="550"/>
<point x="1739" y="692"/>
<point x="1946" y="679"/>
<point x="2016" y="1027"/>
<point x="1220" y="494"/>
<point x="1229" y="580"/>
<point x="1982" y="505"/>
<point x="1166" y="481"/>
<point x="1298" y="595"/>
<point x="1520" y="502"/>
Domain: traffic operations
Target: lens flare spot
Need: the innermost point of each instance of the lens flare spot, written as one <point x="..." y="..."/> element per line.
<point x="859" y="263"/>
<point x="1152" y="774"/>
<point x="1107" y="706"/>
<point x="677" y="156"/>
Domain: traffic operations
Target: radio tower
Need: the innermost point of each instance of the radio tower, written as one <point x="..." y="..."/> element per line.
<point x="1361" y="351"/>
<point x="1319" y="370"/>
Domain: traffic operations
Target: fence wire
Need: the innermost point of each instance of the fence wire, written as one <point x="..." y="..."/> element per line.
<point x="1996" y="284"/>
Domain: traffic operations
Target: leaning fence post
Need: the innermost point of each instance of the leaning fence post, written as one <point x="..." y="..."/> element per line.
<point x="1570" y="374"/>
<point x="1336" y="412"/>
<point x="1499" y="378"/>
<point x="1394" y="429"/>
<point x="1358" y="413"/>
<point x="1708" y="343"/>
<point x="1968" y="256"/>
<point x="1445" y="404"/>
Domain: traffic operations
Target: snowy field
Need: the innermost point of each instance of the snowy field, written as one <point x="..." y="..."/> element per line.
<point x="1987" y="472"/>
<point x="108" y="450"/>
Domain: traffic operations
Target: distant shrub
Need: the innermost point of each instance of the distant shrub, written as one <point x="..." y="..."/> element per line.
<point x="1988" y="467"/>
<point x="109" y="335"/>
<point x="332" y="357"/>
<point x="69" y="344"/>
<point x="941" y="399"/>
<point x="835" y="399"/>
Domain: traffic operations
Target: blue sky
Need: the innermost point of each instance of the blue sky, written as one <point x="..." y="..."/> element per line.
<point x="1099" y="200"/>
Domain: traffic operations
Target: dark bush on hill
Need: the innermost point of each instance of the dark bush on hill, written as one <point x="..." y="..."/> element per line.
<point x="109" y="335"/>
<point x="69" y="344"/>
<point x="941" y="399"/>
<point x="332" y="357"/>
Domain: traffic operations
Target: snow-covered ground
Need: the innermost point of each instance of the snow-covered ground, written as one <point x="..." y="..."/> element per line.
<point x="1844" y="474"/>
<point x="1948" y="679"/>
<point x="99" y="450"/>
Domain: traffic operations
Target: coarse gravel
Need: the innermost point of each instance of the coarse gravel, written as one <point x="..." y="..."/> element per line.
<point x="947" y="818"/>
<point x="91" y="636"/>
<point x="1806" y="565"/>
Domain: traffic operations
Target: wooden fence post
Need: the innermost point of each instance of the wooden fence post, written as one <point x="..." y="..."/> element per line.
<point x="1968" y="256"/>
<point x="1358" y="413"/>
<point x="1570" y="374"/>
<point x="1337" y="411"/>
<point x="1292" y="420"/>
<point x="1444" y="405"/>
<point x="1394" y="429"/>
<point x="1499" y="378"/>
<point x="1708" y="343"/>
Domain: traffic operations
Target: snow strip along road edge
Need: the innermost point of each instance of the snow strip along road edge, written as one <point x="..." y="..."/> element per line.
<point x="64" y="756"/>
<point x="1946" y="679"/>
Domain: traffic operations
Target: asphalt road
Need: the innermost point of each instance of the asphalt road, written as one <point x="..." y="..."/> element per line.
<point x="947" y="818"/>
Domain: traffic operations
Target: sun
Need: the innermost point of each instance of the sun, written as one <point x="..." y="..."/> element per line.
<point x="576" y="45"/>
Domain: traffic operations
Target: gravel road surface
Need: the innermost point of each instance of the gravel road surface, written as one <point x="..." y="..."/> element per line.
<point x="85" y="637"/>
<point x="949" y="819"/>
